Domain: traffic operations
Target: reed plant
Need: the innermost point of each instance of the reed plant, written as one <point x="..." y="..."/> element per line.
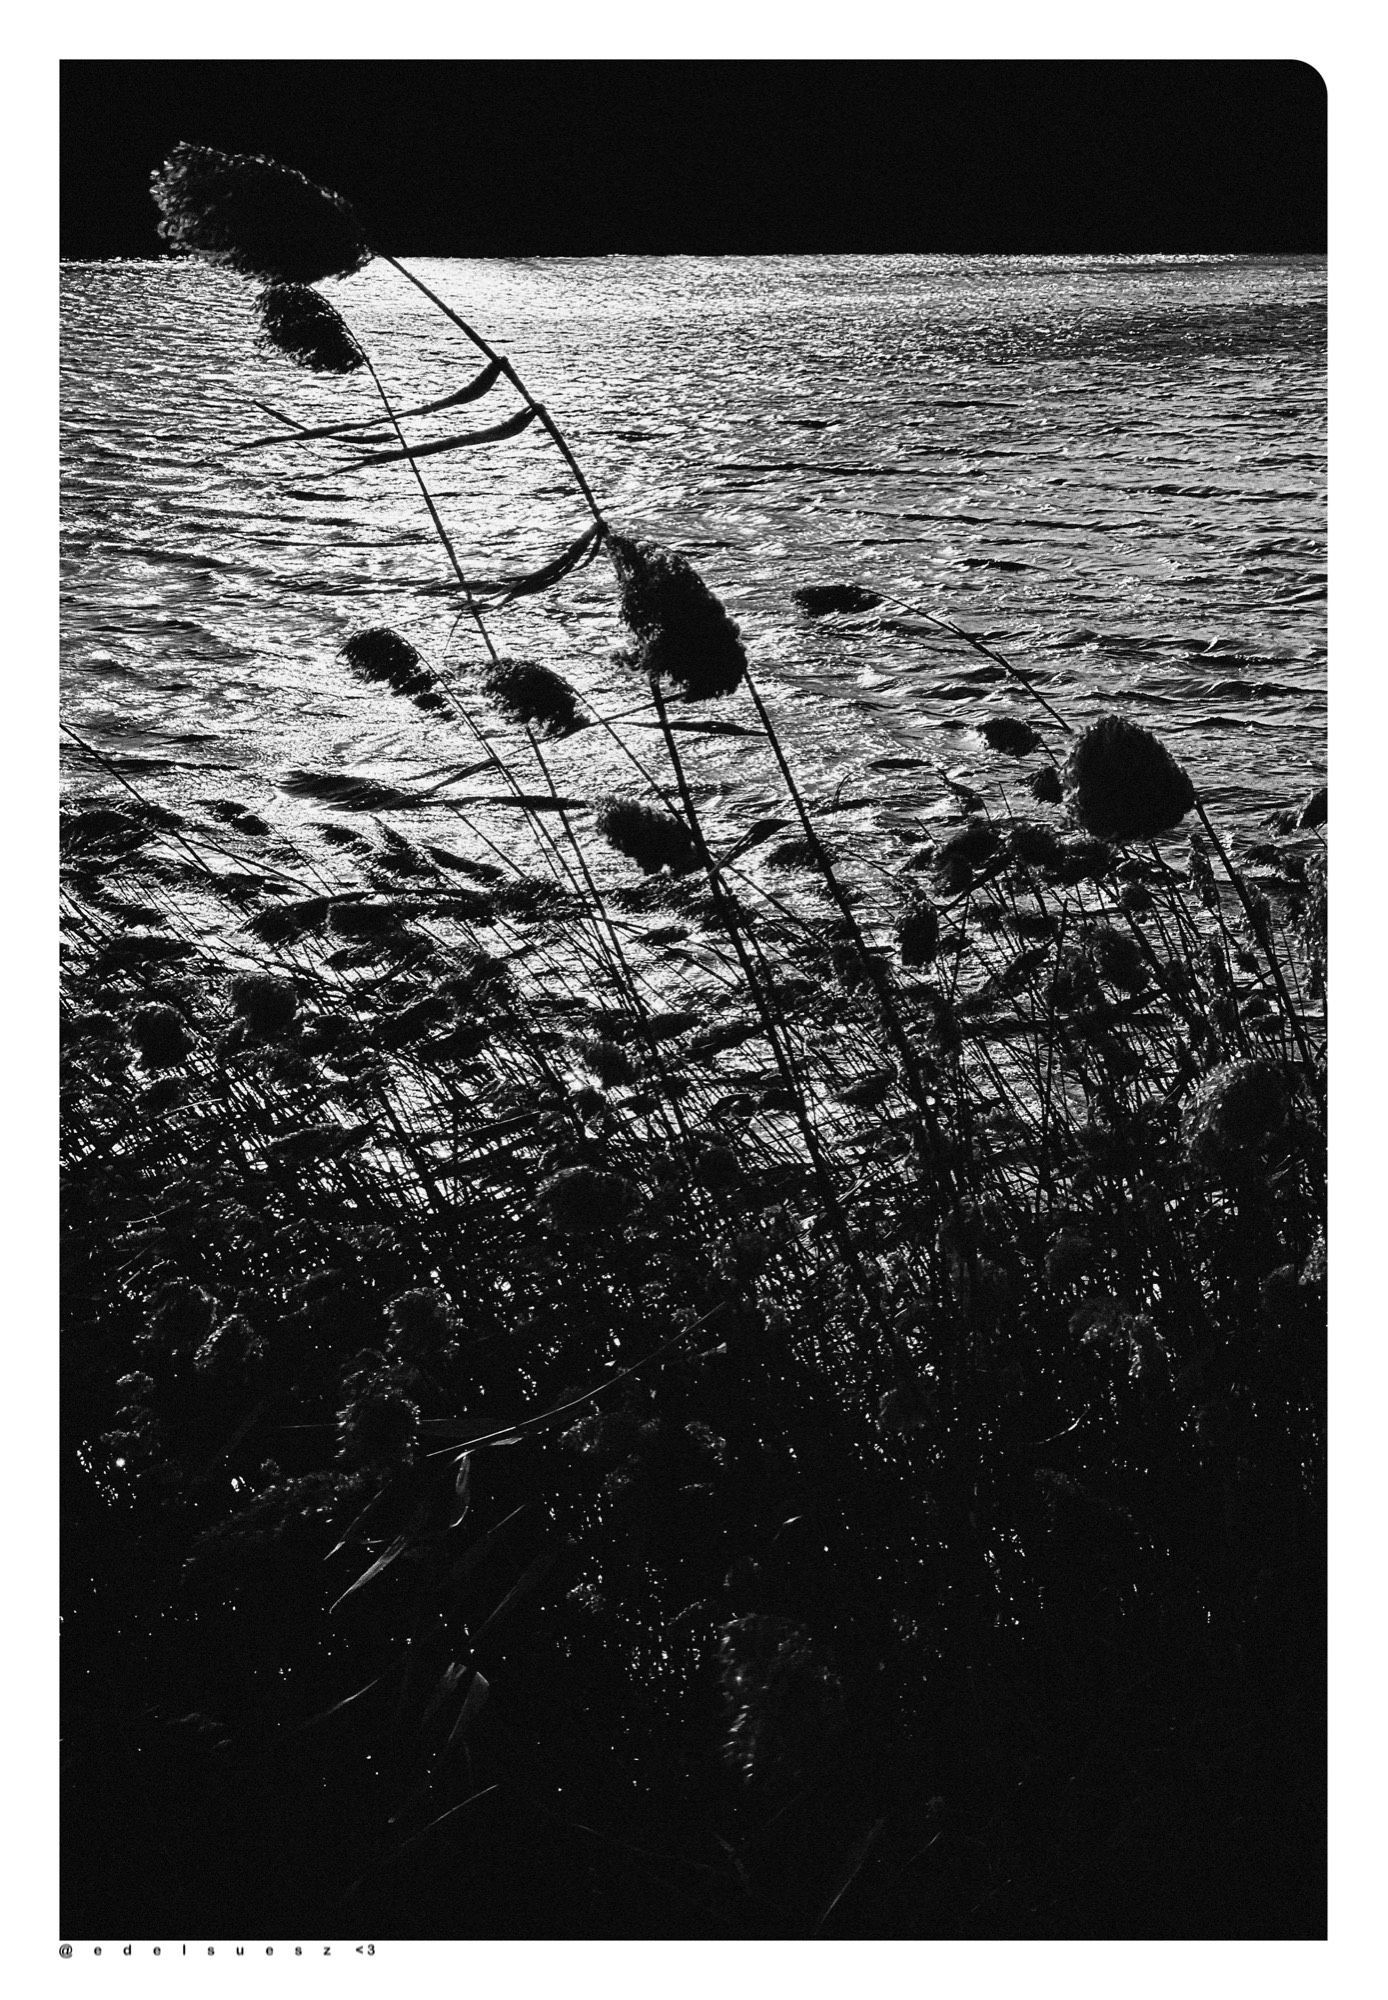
<point x="641" y="1382"/>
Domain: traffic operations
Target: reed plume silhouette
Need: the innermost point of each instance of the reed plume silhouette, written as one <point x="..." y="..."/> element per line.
<point x="758" y="1400"/>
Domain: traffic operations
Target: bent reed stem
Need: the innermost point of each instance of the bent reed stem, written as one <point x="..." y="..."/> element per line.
<point x="1256" y="929"/>
<point x="733" y="927"/>
<point x="484" y="347"/>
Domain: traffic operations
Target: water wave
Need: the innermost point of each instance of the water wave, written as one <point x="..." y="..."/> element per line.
<point x="1116" y="461"/>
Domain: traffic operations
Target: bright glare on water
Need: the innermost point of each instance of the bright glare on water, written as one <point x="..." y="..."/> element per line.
<point x="1112" y="468"/>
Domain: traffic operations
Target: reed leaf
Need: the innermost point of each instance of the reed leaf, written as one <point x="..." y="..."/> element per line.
<point x="382" y="1562"/>
<point x="758" y="832"/>
<point x="302" y="434"/>
<point x="532" y="802"/>
<point x="850" y="1871"/>
<point x="478" y="1689"/>
<point x="511" y="427"/>
<point x="354" y="794"/>
<point x="363" y="431"/>
<point x="706" y="728"/>
<point x="573" y="557"/>
<point x="533" y="1574"/>
<point x="481" y="871"/>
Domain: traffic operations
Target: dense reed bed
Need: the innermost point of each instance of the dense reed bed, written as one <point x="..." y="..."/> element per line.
<point x="647" y="1378"/>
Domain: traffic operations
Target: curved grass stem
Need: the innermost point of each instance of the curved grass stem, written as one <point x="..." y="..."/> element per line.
<point x="547" y="422"/>
<point x="1290" y="1013"/>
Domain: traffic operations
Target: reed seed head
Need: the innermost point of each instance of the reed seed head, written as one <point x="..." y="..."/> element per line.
<point x="1010" y="735"/>
<point x="579" y="1201"/>
<point x="420" y="1319"/>
<point x="380" y="1426"/>
<point x="182" y="1317"/>
<point x="1122" y="784"/>
<point x="789" y="854"/>
<point x="1315" y="811"/>
<point x="953" y="875"/>
<point x="530" y="693"/>
<point x="1035" y="845"/>
<point x="955" y="859"/>
<point x="1069" y="1259"/>
<point x="160" y="1035"/>
<point x="1202" y="876"/>
<point x="777" y="1692"/>
<point x="1116" y="957"/>
<point x="255" y="217"/>
<point x="822" y="599"/>
<point x="718" y="1169"/>
<point x="942" y="1020"/>
<point x="676" y="1021"/>
<point x="1072" y="986"/>
<point x="1120" y="1346"/>
<point x="684" y="634"/>
<point x="1080" y="860"/>
<point x="611" y="1436"/>
<point x="230" y="1346"/>
<point x="265" y="1004"/>
<point x="918" y="934"/>
<point x="908" y="1407"/>
<point x="1259" y="917"/>
<point x="91" y="1025"/>
<point x="976" y="843"/>
<point x="1314" y="1270"/>
<point x="1234" y="1112"/>
<point x="284" y="923"/>
<point x="608" y="1062"/>
<point x="654" y="840"/>
<point x="379" y="654"/>
<point x="297" y="321"/>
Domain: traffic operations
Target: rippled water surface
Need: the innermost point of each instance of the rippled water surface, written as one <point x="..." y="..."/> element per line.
<point x="1113" y="469"/>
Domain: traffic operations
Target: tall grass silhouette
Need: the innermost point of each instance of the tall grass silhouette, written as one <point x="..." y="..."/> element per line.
<point x="616" y="1384"/>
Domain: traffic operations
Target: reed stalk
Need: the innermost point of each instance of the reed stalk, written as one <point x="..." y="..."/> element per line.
<point x="460" y="1427"/>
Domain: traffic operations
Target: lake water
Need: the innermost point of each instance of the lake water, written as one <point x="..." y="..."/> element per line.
<point x="1112" y="468"/>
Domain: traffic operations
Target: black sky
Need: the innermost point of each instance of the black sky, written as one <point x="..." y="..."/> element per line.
<point x="510" y="158"/>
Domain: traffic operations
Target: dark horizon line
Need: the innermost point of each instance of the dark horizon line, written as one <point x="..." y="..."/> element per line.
<point x="782" y="158"/>
<point x="818" y="250"/>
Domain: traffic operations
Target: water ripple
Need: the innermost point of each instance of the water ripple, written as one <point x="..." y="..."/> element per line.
<point x="1120" y="461"/>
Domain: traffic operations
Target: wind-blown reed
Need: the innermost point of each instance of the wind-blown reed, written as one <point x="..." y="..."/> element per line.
<point x="683" y="1403"/>
<point x="381" y="654"/>
<point x="683" y="633"/>
<point x="653" y="839"/>
<point x="297" y="321"/>
<point x="255" y="217"/>
<point x="531" y="693"/>
<point x="1122" y="783"/>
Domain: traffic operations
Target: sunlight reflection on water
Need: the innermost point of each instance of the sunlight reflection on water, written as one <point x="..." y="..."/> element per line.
<point x="1113" y="467"/>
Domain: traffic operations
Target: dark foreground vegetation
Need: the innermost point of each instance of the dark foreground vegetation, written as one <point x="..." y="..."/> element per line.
<point x="668" y="1387"/>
